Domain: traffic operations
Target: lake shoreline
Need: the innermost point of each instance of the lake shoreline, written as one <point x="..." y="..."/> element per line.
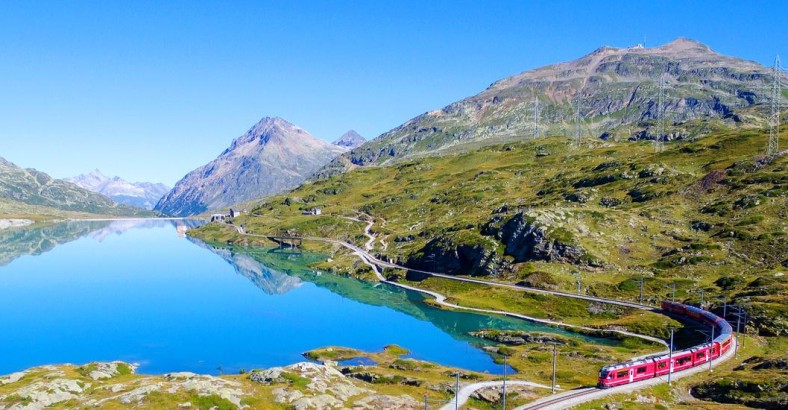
<point x="6" y="223"/>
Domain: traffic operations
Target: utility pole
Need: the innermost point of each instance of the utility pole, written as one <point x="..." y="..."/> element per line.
<point x="736" y="349"/>
<point x="773" y="146"/>
<point x="701" y="298"/>
<point x="673" y="295"/>
<point x="660" y="114"/>
<point x="425" y="402"/>
<point x="536" y="117"/>
<point x="670" y="356"/>
<point x="740" y="312"/>
<point x="504" y="382"/>
<point x="577" y="120"/>
<point x="555" y="358"/>
<point x="457" y="393"/>
<point x="641" y="291"/>
<point x="711" y="350"/>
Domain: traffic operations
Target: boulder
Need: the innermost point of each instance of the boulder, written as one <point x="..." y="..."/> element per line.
<point x="465" y="252"/>
<point x="527" y="240"/>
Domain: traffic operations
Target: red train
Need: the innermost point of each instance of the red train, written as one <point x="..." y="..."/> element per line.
<point x="658" y="365"/>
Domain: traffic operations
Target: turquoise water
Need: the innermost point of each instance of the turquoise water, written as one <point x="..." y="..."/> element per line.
<point x="140" y="292"/>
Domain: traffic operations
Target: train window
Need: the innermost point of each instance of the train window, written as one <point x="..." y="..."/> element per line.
<point x="700" y="355"/>
<point x="682" y="361"/>
<point x="662" y="365"/>
<point x="622" y="373"/>
<point x="641" y="370"/>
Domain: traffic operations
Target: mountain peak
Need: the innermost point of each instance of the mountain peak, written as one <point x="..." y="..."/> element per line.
<point x="682" y="44"/>
<point x="615" y="90"/>
<point x="139" y="194"/>
<point x="96" y="173"/>
<point x="273" y="156"/>
<point x="6" y="162"/>
<point x="350" y="140"/>
<point x="271" y="129"/>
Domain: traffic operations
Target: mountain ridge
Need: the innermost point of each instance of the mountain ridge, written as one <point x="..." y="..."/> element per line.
<point x="614" y="89"/>
<point x="32" y="188"/>
<point x="350" y="140"/>
<point x="139" y="194"/>
<point x="272" y="156"/>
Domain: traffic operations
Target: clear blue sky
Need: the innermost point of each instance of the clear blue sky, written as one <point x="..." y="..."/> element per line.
<point x="149" y="90"/>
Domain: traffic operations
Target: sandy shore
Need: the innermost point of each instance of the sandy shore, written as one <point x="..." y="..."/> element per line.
<point x="13" y="223"/>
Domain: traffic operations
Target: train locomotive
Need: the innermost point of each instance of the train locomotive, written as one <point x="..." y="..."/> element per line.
<point x="659" y="365"/>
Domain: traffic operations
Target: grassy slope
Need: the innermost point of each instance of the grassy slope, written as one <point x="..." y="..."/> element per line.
<point x="454" y="196"/>
<point x="19" y="210"/>
<point x="737" y="248"/>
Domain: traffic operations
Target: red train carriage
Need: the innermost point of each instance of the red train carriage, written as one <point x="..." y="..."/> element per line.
<point x="660" y="365"/>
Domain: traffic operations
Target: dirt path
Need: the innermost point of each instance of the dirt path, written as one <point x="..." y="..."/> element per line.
<point x="559" y="401"/>
<point x="467" y="390"/>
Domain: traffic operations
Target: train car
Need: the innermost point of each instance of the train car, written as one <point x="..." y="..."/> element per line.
<point x="659" y="365"/>
<point x="674" y="307"/>
<point x="694" y="313"/>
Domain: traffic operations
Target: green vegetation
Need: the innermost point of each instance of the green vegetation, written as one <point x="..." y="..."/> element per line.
<point x="687" y="216"/>
<point x="124" y="369"/>
<point x="29" y="192"/>
<point x="213" y="402"/>
<point x="296" y="380"/>
<point x="704" y="215"/>
<point x="85" y="370"/>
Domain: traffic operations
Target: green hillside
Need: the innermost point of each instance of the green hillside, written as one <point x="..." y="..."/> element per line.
<point x="28" y="192"/>
<point x="705" y="215"/>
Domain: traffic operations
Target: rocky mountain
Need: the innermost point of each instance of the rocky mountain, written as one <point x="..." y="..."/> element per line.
<point x="273" y="156"/>
<point x="615" y="91"/>
<point x="269" y="280"/>
<point x="37" y="189"/>
<point x="40" y="239"/>
<point x="140" y="194"/>
<point x="350" y="140"/>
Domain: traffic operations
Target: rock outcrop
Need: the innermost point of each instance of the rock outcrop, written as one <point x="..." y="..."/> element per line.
<point x="516" y="337"/>
<point x="325" y="387"/>
<point x="526" y="240"/>
<point x="458" y="253"/>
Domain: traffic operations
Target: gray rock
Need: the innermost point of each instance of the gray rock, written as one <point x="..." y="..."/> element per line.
<point x="616" y="83"/>
<point x="272" y="157"/>
<point x="527" y="240"/>
<point x="12" y="378"/>
<point x="268" y="376"/>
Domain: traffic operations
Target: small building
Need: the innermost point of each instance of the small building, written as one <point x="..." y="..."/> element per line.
<point x="235" y="213"/>
<point x="313" y="211"/>
<point x="218" y="217"/>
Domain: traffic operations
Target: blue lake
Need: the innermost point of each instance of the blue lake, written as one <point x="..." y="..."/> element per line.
<point x="141" y="292"/>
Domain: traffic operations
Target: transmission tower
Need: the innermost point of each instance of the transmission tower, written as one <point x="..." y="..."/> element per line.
<point x="773" y="146"/>
<point x="536" y="117"/>
<point x="577" y="121"/>
<point x="660" y="115"/>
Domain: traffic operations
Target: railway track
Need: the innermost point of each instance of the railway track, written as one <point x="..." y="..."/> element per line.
<point x="561" y="400"/>
<point x="570" y="395"/>
<point x="574" y="397"/>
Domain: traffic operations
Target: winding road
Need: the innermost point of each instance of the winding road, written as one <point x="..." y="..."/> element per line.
<point x="557" y="401"/>
<point x="467" y="390"/>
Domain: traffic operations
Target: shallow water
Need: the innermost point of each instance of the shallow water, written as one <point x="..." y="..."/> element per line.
<point x="141" y="292"/>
